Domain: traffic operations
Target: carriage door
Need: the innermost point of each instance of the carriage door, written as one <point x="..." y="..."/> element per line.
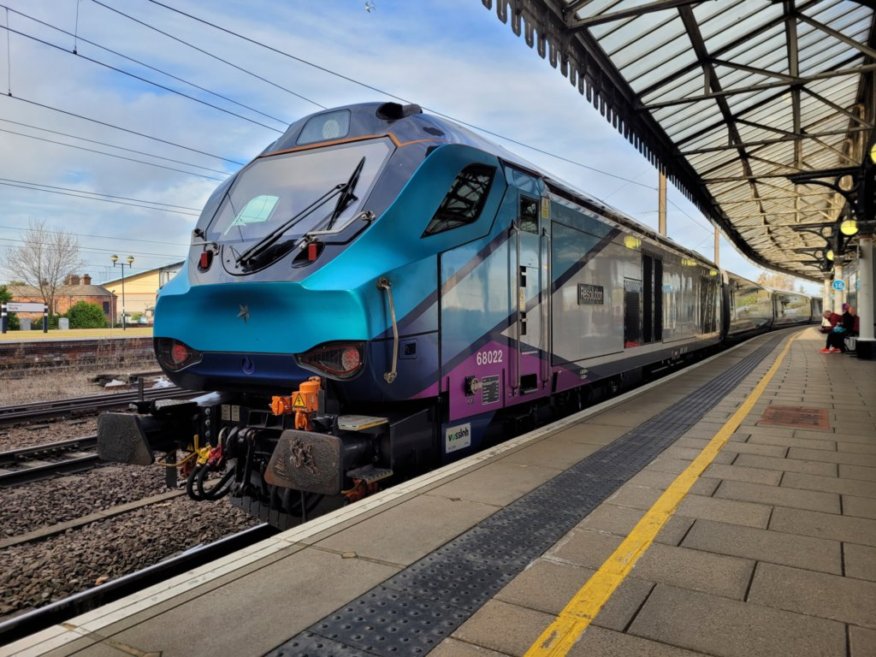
<point x="530" y="306"/>
<point x="652" y="299"/>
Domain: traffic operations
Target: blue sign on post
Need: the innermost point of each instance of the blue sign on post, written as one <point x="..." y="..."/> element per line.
<point x="839" y="285"/>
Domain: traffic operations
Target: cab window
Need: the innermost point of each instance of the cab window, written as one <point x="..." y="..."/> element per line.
<point x="464" y="200"/>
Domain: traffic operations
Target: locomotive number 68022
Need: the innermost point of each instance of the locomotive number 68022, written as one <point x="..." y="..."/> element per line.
<point x="489" y="357"/>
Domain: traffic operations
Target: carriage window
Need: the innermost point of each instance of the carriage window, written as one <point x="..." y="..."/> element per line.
<point x="464" y="201"/>
<point x="528" y="215"/>
<point x="256" y="210"/>
<point x="323" y="127"/>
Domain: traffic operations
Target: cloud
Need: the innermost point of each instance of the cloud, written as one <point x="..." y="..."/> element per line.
<point x="452" y="56"/>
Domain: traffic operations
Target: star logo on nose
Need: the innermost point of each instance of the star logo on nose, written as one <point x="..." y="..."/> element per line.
<point x="244" y="313"/>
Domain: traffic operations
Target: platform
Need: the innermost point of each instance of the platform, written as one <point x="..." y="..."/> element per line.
<point x="727" y="510"/>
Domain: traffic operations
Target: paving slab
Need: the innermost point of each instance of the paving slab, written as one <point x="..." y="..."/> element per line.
<point x="862" y="507"/>
<point x="766" y="545"/>
<point x="498" y="483"/>
<point x="856" y="447"/>
<point x="862" y="642"/>
<point x="552" y="454"/>
<point x="455" y="648"/>
<point x="520" y="627"/>
<point x="779" y="496"/>
<point x="695" y="570"/>
<point x="831" y="457"/>
<point x="753" y="448"/>
<point x="600" y="642"/>
<point x="407" y="532"/>
<point x="738" y="472"/>
<point x="724" y="510"/>
<point x="620" y="521"/>
<point x="856" y="487"/>
<point x="731" y="628"/>
<point x="787" y="465"/>
<point x="584" y="547"/>
<point x="821" y="595"/>
<point x="310" y="584"/>
<point x="860" y="561"/>
<point x="592" y="433"/>
<point x="763" y="438"/>
<point x="548" y="586"/>
<point x="856" y="472"/>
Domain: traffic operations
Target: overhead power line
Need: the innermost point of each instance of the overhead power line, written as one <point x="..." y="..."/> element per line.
<point x="209" y="54"/>
<point x="93" y="196"/>
<point x="121" y="148"/>
<point x="121" y="128"/>
<point x="139" y="254"/>
<point x="388" y="94"/>
<point x="140" y="78"/>
<point x="145" y="65"/>
<point x="17" y="229"/>
<point x="120" y="157"/>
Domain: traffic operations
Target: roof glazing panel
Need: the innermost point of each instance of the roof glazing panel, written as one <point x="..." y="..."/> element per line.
<point x="729" y="97"/>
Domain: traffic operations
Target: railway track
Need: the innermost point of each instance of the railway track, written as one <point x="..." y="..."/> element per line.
<point x="27" y="464"/>
<point x="80" y="405"/>
<point x="38" y="619"/>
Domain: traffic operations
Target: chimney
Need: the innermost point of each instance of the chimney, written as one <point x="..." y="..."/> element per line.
<point x="74" y="279"/>
<point x="86" y="279"/>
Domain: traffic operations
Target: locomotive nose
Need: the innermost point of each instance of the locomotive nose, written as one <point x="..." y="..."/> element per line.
<point x="257" y="318"/>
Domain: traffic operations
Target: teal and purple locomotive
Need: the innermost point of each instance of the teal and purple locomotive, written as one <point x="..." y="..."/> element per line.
<point x="382" y="291"/>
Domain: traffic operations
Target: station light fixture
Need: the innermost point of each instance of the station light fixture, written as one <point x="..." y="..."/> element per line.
<point x="849" y="227"/>
<point x="829" y="255"/>
<point x="632" y="242"/>
<point x="130" y="260"/>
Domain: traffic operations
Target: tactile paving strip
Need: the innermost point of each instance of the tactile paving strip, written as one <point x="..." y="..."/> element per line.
<point x="416" y="609"/>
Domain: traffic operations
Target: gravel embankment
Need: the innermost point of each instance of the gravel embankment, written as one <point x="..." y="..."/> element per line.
<point x="44" y="503"/>
<point x="46" y="431"/>
<point x="35" y="574"/>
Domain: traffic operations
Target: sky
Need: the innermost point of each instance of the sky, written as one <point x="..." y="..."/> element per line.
<point x="119" y="117"/>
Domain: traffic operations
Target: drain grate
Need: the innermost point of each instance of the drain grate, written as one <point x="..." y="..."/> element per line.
<point x="413" y="611"/>
<point x="796" y="416"/>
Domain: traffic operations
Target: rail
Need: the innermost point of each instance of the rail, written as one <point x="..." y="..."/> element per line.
<point x="26" y="464"/>
<point x="61" y="407"/>
<point x="39" y="619"/>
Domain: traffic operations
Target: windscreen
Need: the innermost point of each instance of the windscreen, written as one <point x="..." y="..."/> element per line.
<point x="299" y="190"/>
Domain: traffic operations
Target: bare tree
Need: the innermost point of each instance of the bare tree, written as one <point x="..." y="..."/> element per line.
<point x="44" y="259"/>
<point x="776" y="281"/>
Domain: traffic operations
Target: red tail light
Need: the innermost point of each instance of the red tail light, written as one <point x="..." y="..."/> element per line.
<point x="205" y="260"/>
<point x="337" y="361"/>
<point x="174" y="355"/>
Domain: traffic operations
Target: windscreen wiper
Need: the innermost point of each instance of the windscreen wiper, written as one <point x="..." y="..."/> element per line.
<point x="347" y="195"/>
<point x="252" y="253"/>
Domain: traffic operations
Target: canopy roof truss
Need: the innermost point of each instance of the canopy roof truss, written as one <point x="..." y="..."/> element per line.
<point x="729" y="98"/>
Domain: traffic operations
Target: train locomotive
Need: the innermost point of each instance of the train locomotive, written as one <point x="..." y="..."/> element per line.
<point x="382" y="291"/>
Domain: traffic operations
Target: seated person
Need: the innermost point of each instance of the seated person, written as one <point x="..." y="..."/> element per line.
<point x="833" y="321"/>
<point x="836" y="339"/>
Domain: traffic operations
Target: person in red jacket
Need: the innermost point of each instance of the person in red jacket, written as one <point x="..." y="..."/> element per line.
<point x="836" y="339"/>
<point x="833" y="320"/>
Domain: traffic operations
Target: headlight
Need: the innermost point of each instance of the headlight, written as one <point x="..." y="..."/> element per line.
<point x="174" y="355"/>
<point x="338" y="360"/>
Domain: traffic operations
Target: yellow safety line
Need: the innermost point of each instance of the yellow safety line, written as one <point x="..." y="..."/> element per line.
<point x="576" y="616"/>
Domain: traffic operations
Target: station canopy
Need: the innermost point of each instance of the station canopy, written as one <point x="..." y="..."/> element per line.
<point x="746" y="105"/>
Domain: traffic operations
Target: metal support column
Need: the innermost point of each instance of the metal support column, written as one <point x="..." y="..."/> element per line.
<point x="717" y="246"/>
<point x="866" y="346"/>
<point x="826" y="294"/>
<point x="839" y="296"/>
<point x="661" y="204"/>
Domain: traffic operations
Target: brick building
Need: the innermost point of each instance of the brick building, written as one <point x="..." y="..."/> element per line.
<point x="75" y="289"/>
